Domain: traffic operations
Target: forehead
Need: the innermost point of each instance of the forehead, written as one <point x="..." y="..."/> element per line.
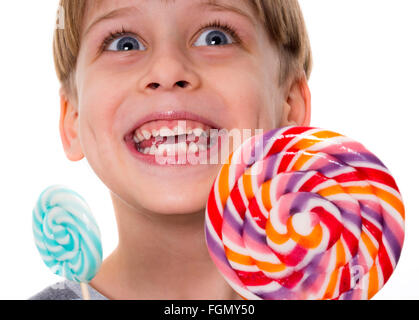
<point x="99" y="7"/>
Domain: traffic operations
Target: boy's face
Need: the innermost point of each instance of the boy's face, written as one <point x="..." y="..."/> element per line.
<point x="165" y="63"/>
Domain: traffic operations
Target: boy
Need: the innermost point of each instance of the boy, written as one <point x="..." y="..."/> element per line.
<point x="137" y="75"/>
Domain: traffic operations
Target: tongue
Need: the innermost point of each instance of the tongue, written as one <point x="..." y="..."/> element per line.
<point x="168" y="140"/>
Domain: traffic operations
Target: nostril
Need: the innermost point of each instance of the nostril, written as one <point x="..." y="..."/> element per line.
<point x="182" y="83"/>
<point x="154" y="85"/>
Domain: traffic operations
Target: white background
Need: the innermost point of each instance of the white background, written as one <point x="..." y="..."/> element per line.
<point x="364" y="85"/>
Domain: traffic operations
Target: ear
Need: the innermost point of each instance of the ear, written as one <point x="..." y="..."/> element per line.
<point x="69" y="128"/>
<point x="297" y="106"/>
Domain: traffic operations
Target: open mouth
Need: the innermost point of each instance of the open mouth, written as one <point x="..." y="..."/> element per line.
<point x="173" y="138"/>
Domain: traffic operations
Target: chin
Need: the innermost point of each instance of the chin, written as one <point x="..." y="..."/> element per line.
<point x="175" y="205"/>
<point x="180" y="201"/>
<point x="174" y="199"/>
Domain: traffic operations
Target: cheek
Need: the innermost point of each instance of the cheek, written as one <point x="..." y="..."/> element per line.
<point x="100" y="98"/>
<point x="102" y="94"/>
<point x="249" y="97"/>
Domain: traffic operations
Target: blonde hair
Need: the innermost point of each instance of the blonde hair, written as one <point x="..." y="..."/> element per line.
<point x="282" y="20"/>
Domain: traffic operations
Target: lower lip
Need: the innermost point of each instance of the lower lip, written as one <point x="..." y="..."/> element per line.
<point x="180" y="159"/>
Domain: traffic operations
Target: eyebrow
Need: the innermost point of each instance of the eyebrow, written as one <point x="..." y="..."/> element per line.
<point x="213" y="4"/>
<point x="216" y="6"/>
<point x="110" y="15"/>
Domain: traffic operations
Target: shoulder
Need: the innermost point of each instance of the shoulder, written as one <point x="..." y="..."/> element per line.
<point x="58" y="291"/>
<point x="66" y="290"/>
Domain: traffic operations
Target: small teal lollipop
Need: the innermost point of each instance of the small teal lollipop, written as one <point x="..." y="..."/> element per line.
<point x="67" y="235"/>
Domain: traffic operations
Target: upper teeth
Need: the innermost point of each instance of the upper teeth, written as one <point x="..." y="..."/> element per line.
<point x="141" y="135"/>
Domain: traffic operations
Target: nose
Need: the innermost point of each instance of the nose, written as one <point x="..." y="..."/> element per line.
<point x="168" y="69"/>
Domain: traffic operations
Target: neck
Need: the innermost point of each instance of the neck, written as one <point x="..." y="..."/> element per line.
<point x="160" y="257"/>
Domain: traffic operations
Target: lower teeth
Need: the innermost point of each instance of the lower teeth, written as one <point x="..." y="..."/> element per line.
<point x="172" y="149"/>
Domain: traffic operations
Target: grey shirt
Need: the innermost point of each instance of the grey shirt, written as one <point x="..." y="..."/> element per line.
<point x="66" y="290"/>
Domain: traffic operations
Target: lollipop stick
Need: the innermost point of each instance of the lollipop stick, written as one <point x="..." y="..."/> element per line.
<point x="85" y="291"/>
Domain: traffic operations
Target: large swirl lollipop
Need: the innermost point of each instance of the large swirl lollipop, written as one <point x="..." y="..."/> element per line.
<point x="304" y="213"/>
<point x="67" y="236"/>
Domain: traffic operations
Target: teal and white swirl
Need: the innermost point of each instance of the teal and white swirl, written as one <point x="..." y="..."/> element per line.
<point x="66" y="234"/>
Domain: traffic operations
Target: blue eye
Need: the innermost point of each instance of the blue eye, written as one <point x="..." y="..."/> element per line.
<point x="124" y="43"/>
<point x="213" y="38"/>
<point x="218" y="37"/>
